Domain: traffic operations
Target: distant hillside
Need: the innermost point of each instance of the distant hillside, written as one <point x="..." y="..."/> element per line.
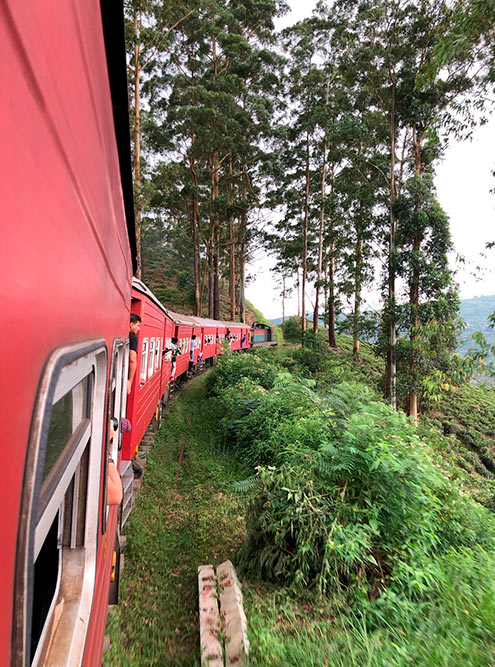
<point x="474" y="312"/>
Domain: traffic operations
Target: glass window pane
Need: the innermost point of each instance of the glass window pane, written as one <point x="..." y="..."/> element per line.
<point x="67" y="414"/>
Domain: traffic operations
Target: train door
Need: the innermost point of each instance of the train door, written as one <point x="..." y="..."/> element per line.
<point x="116" y="410"/>
<point x="59" y="520"/>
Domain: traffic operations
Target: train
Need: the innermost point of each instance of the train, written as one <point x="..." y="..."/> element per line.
<point x="68" y="256"/>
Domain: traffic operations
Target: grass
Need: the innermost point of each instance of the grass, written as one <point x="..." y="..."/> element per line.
<point x="174" y="528"/>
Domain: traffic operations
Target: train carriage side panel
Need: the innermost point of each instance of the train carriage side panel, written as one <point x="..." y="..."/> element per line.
<point x="208" y="330"/>
<point x="65" y="288"/>
<point x="147" y="387"/>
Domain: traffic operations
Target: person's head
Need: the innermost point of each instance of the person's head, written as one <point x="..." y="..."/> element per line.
<point x="193" y="337"/>
<point x="174" y="340"/>
<point x="134" y="323"/>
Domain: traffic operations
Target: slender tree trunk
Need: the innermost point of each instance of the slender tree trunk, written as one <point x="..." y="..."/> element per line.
<point x="231" y="246"/>
<point x="211" y="288"/>
<point x="194" y="225"/>
<point x="216" y="278"/>
<point x="391" y="365"/>
<point x="320" y="246"/>
<point x="357" y="293"/>
<point x="298" y="285"/>
<point x="325" y="290"/>
<point x="332" y="338"/>
<point x="322" y="223"/>
<point x="283" y="299"/>
<point x="242" y="269"/>
<point x="203" y="280"/>
<point x="414" y="291"/>
<point x="305" y="243"/>
<point x="137" y="144"/>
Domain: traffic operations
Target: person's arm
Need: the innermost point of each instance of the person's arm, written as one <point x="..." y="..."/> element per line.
<point x="132" y="369"/>
<point x="114" y="485"/>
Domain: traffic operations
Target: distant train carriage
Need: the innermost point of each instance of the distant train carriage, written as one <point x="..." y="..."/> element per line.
<point x="153" y="366"/>
<point x="185" y="327"/>
<point x="262" y="335"/>
<point x="208" y="335"/>
<point x="234" y="332"/>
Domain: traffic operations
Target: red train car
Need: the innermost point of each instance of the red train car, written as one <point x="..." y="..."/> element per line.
<point x="153" y="366"/>
<point x="237" y="334"/>
<point x="185" y="327"/>
<point x="209" y="330"/>
<point x="66" y="288"/>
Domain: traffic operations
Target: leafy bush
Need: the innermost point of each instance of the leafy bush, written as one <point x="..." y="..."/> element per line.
<point x="231" y="368"/>
<point x="291" y="329"/>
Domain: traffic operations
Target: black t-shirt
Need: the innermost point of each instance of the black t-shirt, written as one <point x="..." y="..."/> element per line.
<point x="133" y="341"/>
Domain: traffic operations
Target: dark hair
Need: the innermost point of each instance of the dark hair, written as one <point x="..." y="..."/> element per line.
<point x="174" y="340"/>
<point x="134" y="318"/>
<point x="193" y="336"/>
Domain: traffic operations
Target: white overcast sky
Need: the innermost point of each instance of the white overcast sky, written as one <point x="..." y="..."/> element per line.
<point x="464" y="180"/>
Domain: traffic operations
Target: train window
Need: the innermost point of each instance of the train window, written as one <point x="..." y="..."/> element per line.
<point x="151" y="364"/>
<point x="58" y="528"/>
<point x="157" y="352"/>
<point x="144" y="361"/>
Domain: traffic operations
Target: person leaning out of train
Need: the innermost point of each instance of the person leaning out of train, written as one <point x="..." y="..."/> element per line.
<point x="194" y="345"/>
<point x="176" y="351"/>
<point x="114" y="483"/>
<point x="134" y="326"/>
<point x="219" y="346"/>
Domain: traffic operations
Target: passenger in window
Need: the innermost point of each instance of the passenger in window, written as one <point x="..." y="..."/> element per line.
<point x="114" y="483"/>
<point x="134" y="326"/>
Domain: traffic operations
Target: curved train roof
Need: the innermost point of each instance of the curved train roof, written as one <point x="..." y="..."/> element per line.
<point x="179" y="318"/>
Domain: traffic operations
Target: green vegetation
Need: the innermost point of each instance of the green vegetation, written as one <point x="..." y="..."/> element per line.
<point x="175" y="526"/>
<point x="360" y="512"/>
<point x="360" y="538"/>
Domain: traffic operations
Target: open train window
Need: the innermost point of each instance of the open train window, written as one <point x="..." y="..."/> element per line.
<point x="157" y="352"/>
<point x="58" y="529"/>
<point x="144" y="361"/>
<point x="151" y="363"/>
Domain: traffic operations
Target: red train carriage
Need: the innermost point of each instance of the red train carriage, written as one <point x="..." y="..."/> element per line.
<point x="153" y="366"/>
<point x="237" y="334"/>
<point x="185" y="327"/>
<point x="208" y="334"/>
<point x="66" y="290"/>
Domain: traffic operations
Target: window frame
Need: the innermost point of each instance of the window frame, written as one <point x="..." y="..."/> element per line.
<point x="158" y="349"/>
<point x="151" y="358"/>
<point x="143" y="371"/>
<point x="64" y="369"/>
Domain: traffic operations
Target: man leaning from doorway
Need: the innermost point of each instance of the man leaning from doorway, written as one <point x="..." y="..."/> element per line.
<point x="134" y="326"/>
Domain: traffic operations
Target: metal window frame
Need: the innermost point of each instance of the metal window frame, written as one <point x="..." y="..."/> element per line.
<point x="63" y="370"/>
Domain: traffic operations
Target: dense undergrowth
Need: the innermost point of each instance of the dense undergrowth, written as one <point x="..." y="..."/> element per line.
<point x="351" y="504"/>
